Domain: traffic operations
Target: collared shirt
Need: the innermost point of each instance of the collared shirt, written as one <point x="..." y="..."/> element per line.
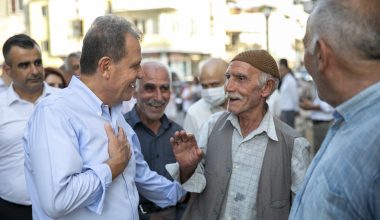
<point x="198" y="114"/>
<point x="14" y="114"/>
<point x="66" y="150"/>
<point x="156" y="148"/>
<point x="3" y="87"/>
<point x="343" y="181"/>
<point x="247" y="158"/>
<point x="289" y="94"/>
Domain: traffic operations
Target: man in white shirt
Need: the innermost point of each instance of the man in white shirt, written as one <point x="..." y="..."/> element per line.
<point x="213" y="94"/>
<point x="5" y="81"/>
<point x="289" y="105"/>
<point x="322" y="117"/>
<point x="23" y="64"/>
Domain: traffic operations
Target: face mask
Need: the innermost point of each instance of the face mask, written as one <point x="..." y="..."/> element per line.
<point x="214" y="96"/>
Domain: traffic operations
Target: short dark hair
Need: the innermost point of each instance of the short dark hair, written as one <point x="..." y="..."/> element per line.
<point x="284" y="62"/>
<point x="106" y="37"/>
<point x="19" y="40"/>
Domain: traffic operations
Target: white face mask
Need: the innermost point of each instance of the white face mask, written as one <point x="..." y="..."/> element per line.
<point x="214" y="96"/>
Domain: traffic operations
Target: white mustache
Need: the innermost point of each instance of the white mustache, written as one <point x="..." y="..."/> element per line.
<point x="156" y="103"/>
<point x="234" y="96"/>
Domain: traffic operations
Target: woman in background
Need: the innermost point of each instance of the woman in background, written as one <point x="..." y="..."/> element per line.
<point x="54" y="77"/>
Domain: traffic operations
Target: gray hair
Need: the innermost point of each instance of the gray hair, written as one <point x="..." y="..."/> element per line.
<point x="351" y="31"/>
<point x="66" y="67"/>
<point x="106" y="37"/>
<point x="264" y="78"/>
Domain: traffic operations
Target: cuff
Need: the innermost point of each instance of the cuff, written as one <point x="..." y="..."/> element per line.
<point x="196" y="183"/>
<point x="103" y="172"/>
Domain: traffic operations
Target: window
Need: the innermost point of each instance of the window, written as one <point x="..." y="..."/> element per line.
<point x="44" y="11"/>
<point x="45" y="45"/>
<point x="77" y="26"/>
<point x="140" y="24"/>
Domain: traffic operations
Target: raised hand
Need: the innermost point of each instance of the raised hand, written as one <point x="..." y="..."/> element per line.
<point x="187" y="153"/>
<point x="119" y="150"/>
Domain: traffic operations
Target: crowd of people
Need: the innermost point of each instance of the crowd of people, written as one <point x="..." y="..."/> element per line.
<point x="95" y="138"/>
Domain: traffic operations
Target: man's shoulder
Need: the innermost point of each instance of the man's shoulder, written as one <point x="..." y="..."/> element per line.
<point x="175" y="126"/>
<point x="3" y="97"/>
<point x="200" y="104"/>
<point x="285" y="128"/>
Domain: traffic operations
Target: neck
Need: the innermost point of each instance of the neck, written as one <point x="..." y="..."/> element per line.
<point x="95" y="84"/>
<point x="153" y="125"/>
<point x="29" y="96"/>
<point x="356" y="77"/>
<point x="249" y="121"/>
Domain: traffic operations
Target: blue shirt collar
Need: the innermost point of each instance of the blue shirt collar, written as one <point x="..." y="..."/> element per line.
<point x="78" y="88"/>
<point x="351" y="107"/>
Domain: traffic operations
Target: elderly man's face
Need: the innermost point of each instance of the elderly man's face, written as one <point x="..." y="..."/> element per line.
<point x="242" y="85"/>
<point x="153" y="93"/>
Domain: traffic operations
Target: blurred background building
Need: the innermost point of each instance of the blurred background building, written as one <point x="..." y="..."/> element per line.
<point x="178" y="32"/>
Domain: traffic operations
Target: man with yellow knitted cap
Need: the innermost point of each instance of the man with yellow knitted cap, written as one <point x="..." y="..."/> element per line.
<point x="253" y="163"/>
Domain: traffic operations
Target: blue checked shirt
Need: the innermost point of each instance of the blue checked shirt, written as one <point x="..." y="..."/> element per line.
<point x="343" y="181"/>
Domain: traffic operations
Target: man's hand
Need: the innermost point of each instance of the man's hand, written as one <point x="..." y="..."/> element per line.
<point x="187" y="153"/>
<point x="119" y="150"/>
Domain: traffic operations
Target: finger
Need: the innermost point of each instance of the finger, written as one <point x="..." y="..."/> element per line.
<point x="129" y="151"/>
<point x="191" y="139"/>
<point x="182" y="136"/>
<point x="200" y="152"/>
<point x="109" y="131"/>
<point x="172" y="141"/>
<point x="121" y="136"/>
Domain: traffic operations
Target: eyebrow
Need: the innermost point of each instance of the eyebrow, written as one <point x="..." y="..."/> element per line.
<point x="29" y="62"/>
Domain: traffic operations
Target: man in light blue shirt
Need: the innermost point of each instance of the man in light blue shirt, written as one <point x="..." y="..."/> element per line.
<point x="342" y="53"/>
<point x="82" y="160"/>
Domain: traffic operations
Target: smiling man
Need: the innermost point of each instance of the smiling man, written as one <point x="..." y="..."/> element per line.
<point x="23" y="64"/>
<point x="82" y="159"/>
<point x="154" y="130"/>
<point x="253" y="162"/>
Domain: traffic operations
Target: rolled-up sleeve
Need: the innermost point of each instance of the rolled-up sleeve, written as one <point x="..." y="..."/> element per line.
<point x="300" y="162"/>
<point x="62" y="182"/>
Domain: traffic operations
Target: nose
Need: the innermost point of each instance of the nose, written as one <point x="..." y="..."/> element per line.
<point x="35" y="69"/>
<point x="140" y="72"/>
<point x="229" y="85"/>
<point x="158" y="94"/>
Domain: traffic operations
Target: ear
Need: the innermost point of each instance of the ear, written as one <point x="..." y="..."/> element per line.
<point x="323" y="52"/>
<point x="105" y="65"/>
<point x="7" y="69"/>
<point x="268" y="88"/>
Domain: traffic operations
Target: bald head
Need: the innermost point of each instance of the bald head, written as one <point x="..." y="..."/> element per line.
<point x="150" y="68"/>
<point x="212" y="73"/>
